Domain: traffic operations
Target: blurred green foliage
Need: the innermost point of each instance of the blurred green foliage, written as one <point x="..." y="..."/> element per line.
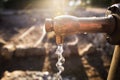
<point x="16" y="3"/>
<point x="21" y="4"/>
<point x="101" y="2"/>
<point x="1" y="4"/>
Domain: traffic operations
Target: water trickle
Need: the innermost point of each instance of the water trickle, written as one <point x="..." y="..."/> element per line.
<point x="60" y="61"/>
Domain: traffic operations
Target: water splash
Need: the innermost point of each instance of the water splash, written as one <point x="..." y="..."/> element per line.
<point x="60" y="61"/>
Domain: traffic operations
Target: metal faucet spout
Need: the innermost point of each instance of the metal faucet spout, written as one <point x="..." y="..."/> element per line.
<point x="66" y="25"/>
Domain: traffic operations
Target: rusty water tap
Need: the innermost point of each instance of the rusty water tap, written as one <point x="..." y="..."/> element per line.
<point x="66" y="25"/>
<point x="110" y="25"/>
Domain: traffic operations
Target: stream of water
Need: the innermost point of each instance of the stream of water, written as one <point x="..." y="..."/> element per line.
<point x="60" y="61"/>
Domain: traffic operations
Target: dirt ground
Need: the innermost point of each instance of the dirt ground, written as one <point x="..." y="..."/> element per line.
<point x="34" y="50"/>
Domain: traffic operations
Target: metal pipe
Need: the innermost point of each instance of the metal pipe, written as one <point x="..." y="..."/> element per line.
<point x="66" y="25"/>
<point x="112" y="75"/>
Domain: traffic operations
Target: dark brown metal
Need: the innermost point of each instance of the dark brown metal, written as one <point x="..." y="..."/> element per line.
<point x="114" y="38"/>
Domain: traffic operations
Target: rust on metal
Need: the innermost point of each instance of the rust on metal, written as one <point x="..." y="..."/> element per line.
<point x="66" y="25"/>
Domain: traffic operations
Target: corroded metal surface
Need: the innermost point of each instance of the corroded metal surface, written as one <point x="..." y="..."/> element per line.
<point x="66" y="25"/>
